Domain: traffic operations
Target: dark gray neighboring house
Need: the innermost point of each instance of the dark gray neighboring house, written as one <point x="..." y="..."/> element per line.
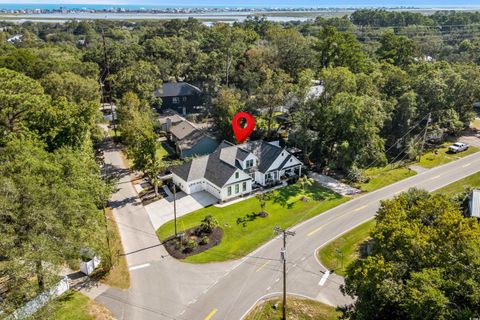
<point x="474" y="204"/>
<point x="181" y="97"/>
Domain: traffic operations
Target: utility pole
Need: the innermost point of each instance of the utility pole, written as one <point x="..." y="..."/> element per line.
<point x="105" y="83"/>
<point x="175" y="208"/>
<point x="429" y="119"/>
<point x="283" y="257"/>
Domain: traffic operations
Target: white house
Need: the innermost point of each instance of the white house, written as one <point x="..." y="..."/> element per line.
<point x="232" y="170"/>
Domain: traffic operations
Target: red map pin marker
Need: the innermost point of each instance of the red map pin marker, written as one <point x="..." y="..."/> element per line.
<point x="242" y="133"/>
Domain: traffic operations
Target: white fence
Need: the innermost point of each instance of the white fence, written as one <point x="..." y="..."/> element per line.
<point x="36" y="304"/>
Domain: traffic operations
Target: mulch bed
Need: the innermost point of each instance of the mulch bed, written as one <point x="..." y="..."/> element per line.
<point x="214" y="239"/>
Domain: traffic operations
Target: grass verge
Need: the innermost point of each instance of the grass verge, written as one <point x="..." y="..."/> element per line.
<point x="380" y="177"/>
<point x="472" y="181"/>
<point x="440" y="156"/>
<point x="119" y="275"/>
<point x="76" y="306"/>
<point x="244" y="231"/>
<point x="297" y="308"/>
<point x="342" y="251"/>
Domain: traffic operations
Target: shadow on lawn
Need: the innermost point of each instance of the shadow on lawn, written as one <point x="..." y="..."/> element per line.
<point x="248" y="218"/>
<point x="284" y="196"/>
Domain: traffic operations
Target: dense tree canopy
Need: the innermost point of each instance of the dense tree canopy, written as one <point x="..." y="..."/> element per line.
<point x="424" y="263"/>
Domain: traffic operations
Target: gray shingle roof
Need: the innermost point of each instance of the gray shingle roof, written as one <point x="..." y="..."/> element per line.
<point x="210" y="167"/>
<point x="183" y="129"/>
<point x="177" y="89"/>
<point x="219" y="166"/>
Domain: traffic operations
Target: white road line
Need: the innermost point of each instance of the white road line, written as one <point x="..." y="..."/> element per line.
<point x="268" y="289"/>
<point x="324" y="278"/>
<point x="139" y="266"/>
<point x="466" y="165"/>
<point x="303" y="259"/>
<point x="182" y="312"/>
<point x="278" y="279"/>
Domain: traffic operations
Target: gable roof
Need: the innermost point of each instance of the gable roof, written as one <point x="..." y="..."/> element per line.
<point x="176" y="89"/>
<point x="188" y="135"/>
<point x="209" y="167"/>
<point x="219" y="166"/>
<point x="183" y="129"/>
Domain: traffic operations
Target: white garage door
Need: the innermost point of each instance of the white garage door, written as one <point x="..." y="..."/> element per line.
<point x="195" y="187"/>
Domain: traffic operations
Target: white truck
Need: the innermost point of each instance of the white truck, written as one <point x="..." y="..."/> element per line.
<point x="458" y="147"/>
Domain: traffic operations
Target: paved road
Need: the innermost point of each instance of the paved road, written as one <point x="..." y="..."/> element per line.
<point x="163" y="288"/>
<point x="259" y="274"/>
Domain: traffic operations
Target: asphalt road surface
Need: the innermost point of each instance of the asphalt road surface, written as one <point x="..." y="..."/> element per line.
<point x="163" y="288"/>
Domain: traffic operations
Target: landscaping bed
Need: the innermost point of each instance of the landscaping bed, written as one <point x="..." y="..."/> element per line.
<point x="193" y="242"/>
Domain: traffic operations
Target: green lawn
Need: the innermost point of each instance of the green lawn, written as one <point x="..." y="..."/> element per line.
<point x="285" y="210"/>
<point x="380" y="177"/>
<point x="432" y="159"/>
<point x="76" y="306"/>
<point x="475" y="124"/>
<point x="347" y="246"/>
<point x="461" y="185"/>
<point x="297" y="308"/>
<point x="161" y="151"/>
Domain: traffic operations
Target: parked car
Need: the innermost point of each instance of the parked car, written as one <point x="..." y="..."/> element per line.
<point x="458" y="147"/>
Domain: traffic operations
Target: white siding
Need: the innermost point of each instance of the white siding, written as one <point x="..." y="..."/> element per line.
<point x="181" y="183"/>
<point x="251" y="156"/>
<point x="279" y="160"/>
<point x="241" y="176"/>
<point x="224" y="192"/>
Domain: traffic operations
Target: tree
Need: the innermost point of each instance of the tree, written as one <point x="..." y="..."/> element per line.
<point x="225" y="105"/>
<point x="305" y="181"/>
<point x="398" y="50"/>
<point x="137" y="131"/>
<point x="423" y="265"/>
<point x="52" y="202"/>
<point x="262" y="200"/>
<point x="141" y="78"/>
<point x="71" y="86"/>
<point x="20" y="96"/>
<point x="339" y="49"/>
<point x="347" y="120"/>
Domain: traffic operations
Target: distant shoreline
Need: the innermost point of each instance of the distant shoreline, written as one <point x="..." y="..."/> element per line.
<point x="228" y="15"/>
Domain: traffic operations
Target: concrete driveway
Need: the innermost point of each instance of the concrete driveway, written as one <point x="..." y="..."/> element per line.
<point x="161" y="211"/>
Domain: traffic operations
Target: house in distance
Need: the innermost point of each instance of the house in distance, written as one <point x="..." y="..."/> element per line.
<point x="188" y="139"/>
<point x="233" y="171"/>
<point x="180" y="97"/>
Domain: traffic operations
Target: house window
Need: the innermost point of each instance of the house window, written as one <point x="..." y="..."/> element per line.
<point x="229" y="191"/>
<point x="237" y="188"/>
<point x="244" y="186"/>
<point x="237" y="175"/>
<point x="249" y="163"/>
<point x="175" y="100"/>
<point x="184" y="99"/>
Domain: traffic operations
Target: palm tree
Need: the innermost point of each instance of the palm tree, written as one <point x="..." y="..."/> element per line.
<point x="305" y="181"/>
<point x="262" y="199"/>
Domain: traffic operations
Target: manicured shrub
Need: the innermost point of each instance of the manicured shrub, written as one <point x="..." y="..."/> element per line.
<point x="205" y="240"/>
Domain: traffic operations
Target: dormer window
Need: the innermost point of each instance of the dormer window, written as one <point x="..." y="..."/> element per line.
<point x="282" y="154"/>
<point x="249" y="163"/>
